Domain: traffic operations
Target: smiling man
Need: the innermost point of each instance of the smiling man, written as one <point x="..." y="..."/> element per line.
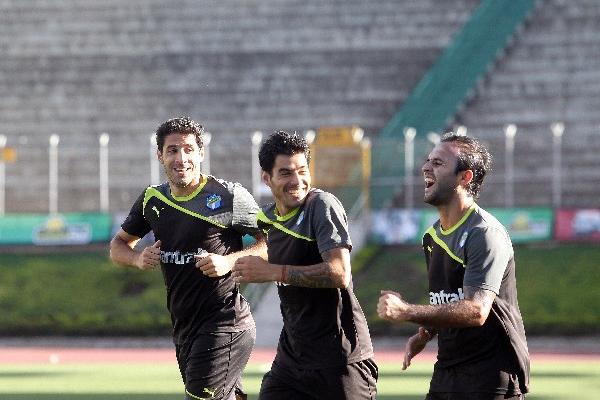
<point x="324" y="350"/>
<point x="198" y="222"/>
<point x="473" y="310"/>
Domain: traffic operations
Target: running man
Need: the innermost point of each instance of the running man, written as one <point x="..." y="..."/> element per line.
<point x="324" y="350"/>
<point x="198" y="222"/>
<point x="482" y="349"/>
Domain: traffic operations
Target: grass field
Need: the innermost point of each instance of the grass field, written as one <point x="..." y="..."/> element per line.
<point x="551" y="380"/>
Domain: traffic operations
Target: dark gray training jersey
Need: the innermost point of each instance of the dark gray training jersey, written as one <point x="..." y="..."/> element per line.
<point x="493" y="358"/>
<point x="321" y="327"/>
<point x="213" y="219"/>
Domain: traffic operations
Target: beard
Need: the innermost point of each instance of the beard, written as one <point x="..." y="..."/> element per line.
<point x="179" y="181"/>
<point x="440" y="196"/>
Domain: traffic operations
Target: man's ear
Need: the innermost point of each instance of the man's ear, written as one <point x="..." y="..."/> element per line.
<point x="466" y="177"/>
<point x="266" y="178"/>
<point x="159" y="155"/>
<point x="201" y="153"/>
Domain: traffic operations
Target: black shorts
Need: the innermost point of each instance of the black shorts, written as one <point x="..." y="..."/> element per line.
<point x="473" y="396"/>
<point x="355" y="381"/>
<point x="211" y="365"/>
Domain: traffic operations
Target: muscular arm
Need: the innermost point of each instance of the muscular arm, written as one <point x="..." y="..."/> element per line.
<point x="473" y="310"/>
<point x="333" y="272"/>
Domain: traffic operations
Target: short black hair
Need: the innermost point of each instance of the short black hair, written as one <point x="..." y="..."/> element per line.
<point x="184" y="125"/>
<point x="284" y="143"/>
<point x="471" y="155"/>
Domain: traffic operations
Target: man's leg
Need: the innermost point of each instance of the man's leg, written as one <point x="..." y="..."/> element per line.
<point x="356" y="381"/>
<point x="281" y="383"/>
<point x="215" y="364"/>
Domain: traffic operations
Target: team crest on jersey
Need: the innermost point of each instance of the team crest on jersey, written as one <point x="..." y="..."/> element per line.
<point x="213" y="201"/>
<point x="463" y="239"/>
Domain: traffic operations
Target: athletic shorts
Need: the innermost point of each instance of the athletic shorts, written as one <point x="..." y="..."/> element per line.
<point x="211" y="365"/>
<point x="355" y="381"/>
<point x="473" y="396"/>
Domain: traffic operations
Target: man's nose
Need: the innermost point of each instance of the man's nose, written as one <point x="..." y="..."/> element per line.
<point x="295" y="178"/>
<point x="180" y="156"/>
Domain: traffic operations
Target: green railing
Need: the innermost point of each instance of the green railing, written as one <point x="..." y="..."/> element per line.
<point x="473" y="50"/>
<point x="435" y="100"/>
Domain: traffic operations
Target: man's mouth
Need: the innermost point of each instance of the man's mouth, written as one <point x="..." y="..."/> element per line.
<point x="181" y="171"/>
<point x="295" y="192"/>
<point x="429" y="182"/>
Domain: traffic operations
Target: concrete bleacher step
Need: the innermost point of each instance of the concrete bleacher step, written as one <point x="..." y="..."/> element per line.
<point x="550" y="73"/>
<point x="80" y="67"/>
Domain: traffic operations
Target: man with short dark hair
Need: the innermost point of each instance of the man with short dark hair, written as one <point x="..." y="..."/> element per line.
<point x="198" y="222"/>
<point x="324" y="350"/>
<point x="482" y="349"/>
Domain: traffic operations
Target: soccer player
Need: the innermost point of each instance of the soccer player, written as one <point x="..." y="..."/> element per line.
<point x="198" y="221"/>
<point x="473" y="310"/>
<point x="324" y="349"/>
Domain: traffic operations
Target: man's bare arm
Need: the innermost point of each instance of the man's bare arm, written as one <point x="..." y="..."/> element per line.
<point x="333" y="272"/>
<point x="122" y="253"/>
<point x="473" y="310"/>
<point x="215" y="265"/>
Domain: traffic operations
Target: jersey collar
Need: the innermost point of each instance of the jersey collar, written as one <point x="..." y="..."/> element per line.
<point x="460" y="222"/>
<point x="194" y="193"/>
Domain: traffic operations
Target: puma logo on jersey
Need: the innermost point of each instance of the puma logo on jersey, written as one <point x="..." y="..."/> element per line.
<point x="442" y="297"/>
<point x="156" y="210"/>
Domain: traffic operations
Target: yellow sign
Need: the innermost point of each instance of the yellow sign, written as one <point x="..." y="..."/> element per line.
<point x="338" y="136"/>
<point x="336" y="152"/>
<point x="8" y="154"/>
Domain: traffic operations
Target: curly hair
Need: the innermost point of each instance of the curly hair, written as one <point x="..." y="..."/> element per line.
<point x="471" y="155"/>
<point x="184" y="125"/>
<point x="281" y="143"/>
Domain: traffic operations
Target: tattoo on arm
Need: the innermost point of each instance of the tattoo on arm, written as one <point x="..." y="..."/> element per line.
<point x="314" y="276"/>
<point x="327" y="274"/>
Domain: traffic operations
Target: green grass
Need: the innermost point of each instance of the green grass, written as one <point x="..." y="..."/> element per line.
<point x="135" y="381"/>
<point x="82" y="293"/>
<point x="79" y="294"/>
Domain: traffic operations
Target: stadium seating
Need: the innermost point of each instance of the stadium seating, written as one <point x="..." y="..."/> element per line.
<point x="78" y="68"/>
<point x="550" y="73"/>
